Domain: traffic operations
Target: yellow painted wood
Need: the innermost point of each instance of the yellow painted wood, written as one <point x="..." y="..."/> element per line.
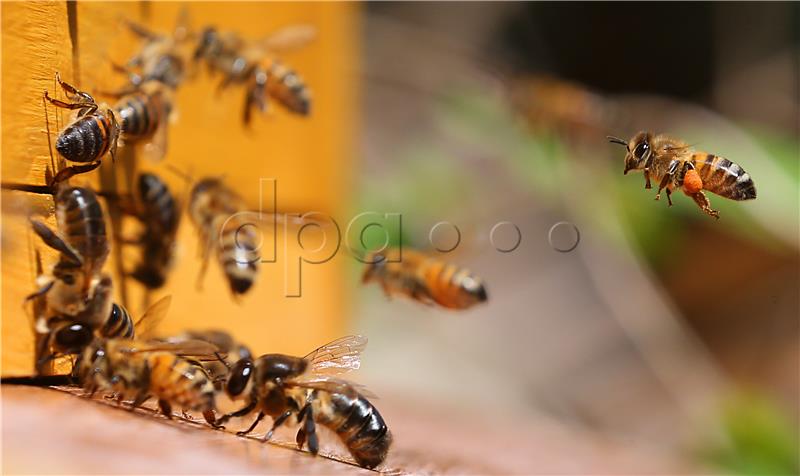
<point x="310" y="158"/>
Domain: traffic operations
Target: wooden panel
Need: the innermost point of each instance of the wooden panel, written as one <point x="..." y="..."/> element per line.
<point x="310" y="158"/>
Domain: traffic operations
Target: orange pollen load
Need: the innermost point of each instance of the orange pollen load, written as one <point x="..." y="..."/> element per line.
<point x="692" y="183"/>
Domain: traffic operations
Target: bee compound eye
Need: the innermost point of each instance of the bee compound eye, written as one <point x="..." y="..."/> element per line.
<point x="73" y="337"/>
<point x="641" y="149"/>
<point x="240" y="376"/>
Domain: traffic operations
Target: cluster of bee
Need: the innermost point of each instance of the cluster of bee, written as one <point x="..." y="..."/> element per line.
<point x="76" y="319"/>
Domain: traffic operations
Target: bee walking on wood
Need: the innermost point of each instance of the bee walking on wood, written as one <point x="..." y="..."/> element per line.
<point x="676" y="165"/>
<point x="424" y="279"/>
<point x="138" y="370"/>
<point x="251" y="63"/>
<point x="92" y="134"/>
<point x="301" y="391"/>
<point x="218" y="213"/>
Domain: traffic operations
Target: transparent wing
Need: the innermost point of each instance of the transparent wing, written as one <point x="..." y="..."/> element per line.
<point x="146" y="326"/>
<point x="289" y="38"/>
<point x="190" y="348"/>
<point x="337" y="357"/>
<point x="156" y="148"/>
<point x="331" y="384"/>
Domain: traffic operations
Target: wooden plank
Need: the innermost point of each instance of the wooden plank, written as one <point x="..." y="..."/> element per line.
<point x="310" y="158"/>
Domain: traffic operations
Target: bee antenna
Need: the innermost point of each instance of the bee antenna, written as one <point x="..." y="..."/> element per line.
<point x="617" y="140"/>
<point x="219" y="357"/>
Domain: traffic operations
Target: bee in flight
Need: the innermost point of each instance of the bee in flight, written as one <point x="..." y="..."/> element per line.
<point x="157" y="210"/>
<point x="301" y="391"/>
<point x="252" y="64"/>
<point x="676" y="165"/>
<point x="94" y="132"/>
<point x="218" y="213"/>
<point x="137" y="370"/>
<point x="424" y="279"/>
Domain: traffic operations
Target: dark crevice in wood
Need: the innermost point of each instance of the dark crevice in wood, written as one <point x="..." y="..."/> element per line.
<point x="72" y="21"/>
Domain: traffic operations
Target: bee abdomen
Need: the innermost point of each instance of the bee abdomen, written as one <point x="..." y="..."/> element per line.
<point x="178" y="381"/>
<point x="723" y="177"/>
<point x="139" y="115"/>
<point x="119" y="324"/>
<point x="160" y="208"/>
<point x="80" y="220"/>
<point x="238" y="254"/>
<point x="289" y="89"/>
<point x="361" y="429"/>
<point x="85" y="140"/>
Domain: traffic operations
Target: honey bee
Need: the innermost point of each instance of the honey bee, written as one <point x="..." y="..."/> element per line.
<point x="232" y="350"/>
<point x="217" y="211"/>
<point x="676" y="165"/>
<point x="251" y="63"/>
<point x="138" y="370"/>
<point x="94" y="132"/>
<point x="64" y="336"/>
<point x="82" y="253"/>
<point x="144" y="116"/>
<point x="158" y="211"/>
<point x="424" y="279"/>
<point x="301" y="391"/>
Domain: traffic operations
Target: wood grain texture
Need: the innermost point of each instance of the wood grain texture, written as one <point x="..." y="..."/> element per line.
<point x="310" y="158"/>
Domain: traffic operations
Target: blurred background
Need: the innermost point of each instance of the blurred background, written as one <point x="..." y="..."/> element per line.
<point x="664" y="329"/>
<point x="663" y="342"/>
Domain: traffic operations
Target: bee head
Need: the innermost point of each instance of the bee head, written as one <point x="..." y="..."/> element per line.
<point x="638" y="148"/>
<point x="240" y="377"/>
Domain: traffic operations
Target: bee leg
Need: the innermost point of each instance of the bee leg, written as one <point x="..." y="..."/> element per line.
<point x="71" y="105"/>
<point x="204" y="264"/>
<point x="702" y="201"/>
<point x="69" y="172"/>
<point x="40" y="292"/>
<point x="664" y="182"/>
<point x="311" y="433"/>
<point x="647" y="184"/>
<point x="239" y="413"/>
<point x="165" y="408"/>
<point x="277" y="423"/>
<point x="253" y="426"/>
<point x="669" y="197"/>
<point x="54" y="241"/>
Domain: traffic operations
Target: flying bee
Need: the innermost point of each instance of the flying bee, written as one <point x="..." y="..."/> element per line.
<point x="232" y="350"/>
<point x="676" y="165"/>
<point x="218" y="212"/>
<point x="424" y="279"/>
<point x="144" y="116"/>
<point x="157" y="210"/>
<point x="138" y="370"/>
<point x="94" y="132"/>
<point x="301" y="391"/>
<point x="252" y="64"/>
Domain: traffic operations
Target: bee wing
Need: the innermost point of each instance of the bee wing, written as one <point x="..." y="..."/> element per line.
<point x="190" y="348"/>
<point x="337" y="357"/>
<point x="156" y="148"/>
<point x="289" y="38"/>
<point x="331" y="384"/>
<point x="146" y="325"/>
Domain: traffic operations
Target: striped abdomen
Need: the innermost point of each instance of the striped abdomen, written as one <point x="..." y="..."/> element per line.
<point x="180" y="382"/>
<point x="288" y="88"/>
<point x="160" y="212"/>
<point x="723" y="177"/>
<point x="119" y="324"/>
<point x="451" y="286"/>
<point x="81" y="223"/>
<point x="87" y="139"/>
<point x="359" y="425"/>
<point x="237" y="251"/>
<point x="141" y="114"/>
